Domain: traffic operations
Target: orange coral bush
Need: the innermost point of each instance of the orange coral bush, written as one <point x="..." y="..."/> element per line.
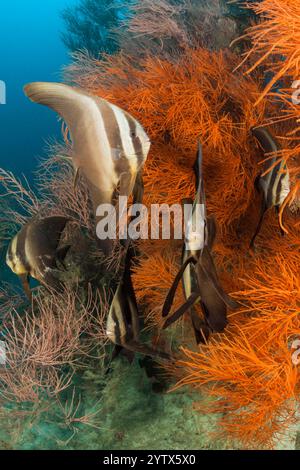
<point x="152" y="280"/>
<point x="275" y="40"/>
<point x="198" y="97"/>
<point x="275" y="50"/>
<point x="249" y="370"/>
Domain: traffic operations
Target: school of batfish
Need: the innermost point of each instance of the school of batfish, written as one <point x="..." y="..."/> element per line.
<point x="109" y="150"/>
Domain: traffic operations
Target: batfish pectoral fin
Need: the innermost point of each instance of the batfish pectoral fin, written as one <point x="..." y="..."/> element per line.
<point x="171" y="294"/>
<point x="138" y="190"/>
<point x="62" y="252"/>
<point x="193" y="298"/>
<point x="24" y="278"/>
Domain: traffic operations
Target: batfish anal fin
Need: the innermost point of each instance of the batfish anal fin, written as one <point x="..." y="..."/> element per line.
<point x="60" y="256"/>
<point x="231" y="303"/>
<point x="49" y="280"/>
<point x="187" y="200"/>
<point x="141" y="348"/>
<point x="120" y="350"/>
<point x="193" y="298"/>
<point x="217" y="321"/>
<point x="52" y="228"/>
<point x="198" y="166"/>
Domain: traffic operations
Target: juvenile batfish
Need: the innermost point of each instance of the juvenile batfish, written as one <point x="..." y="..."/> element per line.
<point x="110" y="147"/>
<point x="198" y="272"/>
<point x="275" y="184"/>
<point x="34" y="251"/>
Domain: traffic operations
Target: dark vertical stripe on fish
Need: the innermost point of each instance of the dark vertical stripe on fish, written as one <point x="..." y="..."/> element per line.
<point x="117" y="332"/>
<point x="135" y="140"/>
<point x="112" y="129"/>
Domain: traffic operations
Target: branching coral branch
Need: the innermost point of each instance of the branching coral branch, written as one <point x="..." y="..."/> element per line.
<point x="59" y="194"/>
<point x="46" y="341"/>
<point x="21" y="194"/>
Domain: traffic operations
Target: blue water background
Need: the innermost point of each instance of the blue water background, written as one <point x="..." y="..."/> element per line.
<point x="30" y="50"/>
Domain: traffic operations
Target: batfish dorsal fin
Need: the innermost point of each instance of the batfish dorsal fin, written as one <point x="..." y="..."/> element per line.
<point x="200" y="197"/>
<point x="266" y="140"/>
<point x="67" y="101"/>
<point x="261" y="218"/>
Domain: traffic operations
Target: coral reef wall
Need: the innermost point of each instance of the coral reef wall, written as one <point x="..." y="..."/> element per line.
<point x="182" y="88"/>
<point x="181" y="71"/>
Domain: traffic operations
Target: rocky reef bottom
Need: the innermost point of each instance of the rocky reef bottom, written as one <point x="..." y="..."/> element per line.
<point x="116" y="411"/>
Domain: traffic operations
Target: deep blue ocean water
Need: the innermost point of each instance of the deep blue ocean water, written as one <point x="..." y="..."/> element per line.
<point x="30" y="50"/>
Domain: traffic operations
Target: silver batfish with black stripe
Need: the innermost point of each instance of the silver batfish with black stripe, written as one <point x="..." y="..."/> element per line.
<point x="110" y="147"/>
<point x="34" y="252"/>
<point x="275" y="184"/>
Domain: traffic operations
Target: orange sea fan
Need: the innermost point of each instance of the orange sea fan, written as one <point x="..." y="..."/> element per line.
<point x="254" y="387"/>
<point x="275" y="40"/>
<point x="196" y="97"/>
<point x="152" y="279"/>
<point x="168" y="175"/>
<point x="249" y="369"/>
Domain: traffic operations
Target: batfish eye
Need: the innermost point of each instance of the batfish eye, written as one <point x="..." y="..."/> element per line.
<point x="133" y="134"/>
